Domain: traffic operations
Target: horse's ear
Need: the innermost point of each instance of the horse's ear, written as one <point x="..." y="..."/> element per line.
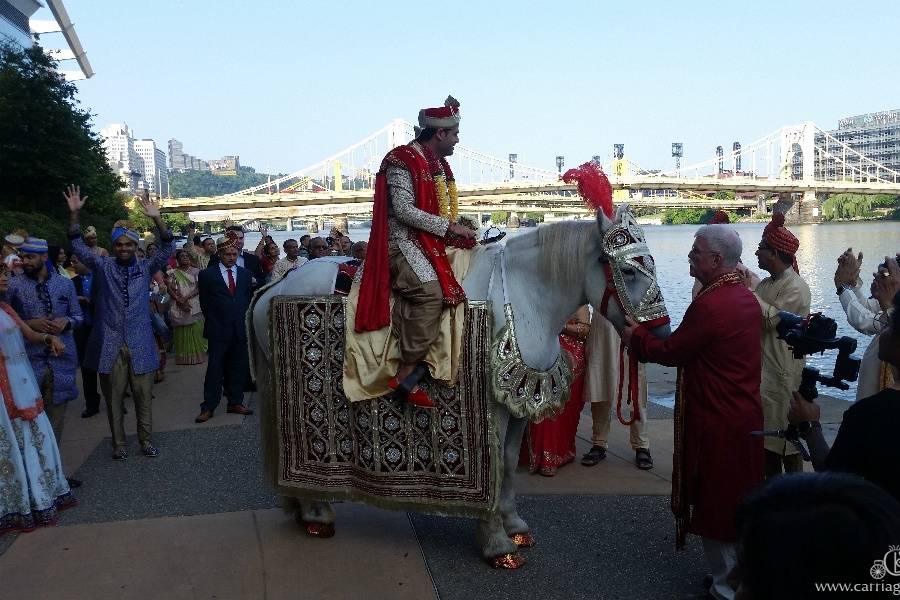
<point x="622" y="210"/>
<point x="603" y="222"/>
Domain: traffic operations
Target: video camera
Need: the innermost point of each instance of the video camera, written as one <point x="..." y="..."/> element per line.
<point x="813" y="334"/>
<point x="810" y="335"/>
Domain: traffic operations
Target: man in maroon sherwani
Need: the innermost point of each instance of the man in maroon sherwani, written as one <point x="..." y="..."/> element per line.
<point x="717" y="350"/>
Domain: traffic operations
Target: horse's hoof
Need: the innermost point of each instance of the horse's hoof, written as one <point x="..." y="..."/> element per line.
<point x="510" y="561"/>
<point x="319" y="530"/>
<point x="523" y="540"/>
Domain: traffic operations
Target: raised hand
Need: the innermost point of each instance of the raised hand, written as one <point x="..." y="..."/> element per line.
<point x="73" y="198"/>
<point x="847" y="272"/>
<point x="149" y="205"/>
<point x="887" y="283"/>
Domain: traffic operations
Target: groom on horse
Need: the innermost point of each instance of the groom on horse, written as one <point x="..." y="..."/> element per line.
<point x="413" y="218"/>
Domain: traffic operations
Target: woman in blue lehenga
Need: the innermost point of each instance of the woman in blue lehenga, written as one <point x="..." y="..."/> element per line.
<point x="33" y="488"/>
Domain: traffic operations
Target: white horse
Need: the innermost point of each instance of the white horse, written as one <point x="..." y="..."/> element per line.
<point x="549" y="272"/>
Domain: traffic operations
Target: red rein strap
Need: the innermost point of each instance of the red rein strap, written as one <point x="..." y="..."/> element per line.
<point x="633" y="384"/>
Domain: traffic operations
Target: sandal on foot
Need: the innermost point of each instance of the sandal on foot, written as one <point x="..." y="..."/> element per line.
<point x="120" y="454"/>
<point x="593" y="456"/>
<point x="642" y="459"/>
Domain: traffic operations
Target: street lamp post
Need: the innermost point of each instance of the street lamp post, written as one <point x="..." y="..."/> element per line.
<point x="560" y="162"/>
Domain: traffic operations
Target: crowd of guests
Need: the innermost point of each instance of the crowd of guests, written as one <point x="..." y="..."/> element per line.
<point x="115" y="315"/>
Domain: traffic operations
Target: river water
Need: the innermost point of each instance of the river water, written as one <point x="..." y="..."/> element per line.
<point x="820" y="245"/>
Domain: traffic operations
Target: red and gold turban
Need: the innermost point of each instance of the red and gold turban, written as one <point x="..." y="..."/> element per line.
<point x="780" y="238"/>
<point x="443" y="117"/>
<point x="229" y="240"/>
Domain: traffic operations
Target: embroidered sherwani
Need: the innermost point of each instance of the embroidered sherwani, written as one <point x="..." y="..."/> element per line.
<point x="781" y="372"/>
<point x="717" y="461"/>
<point x="53" y="298"/>
<point x="403" y="217"/>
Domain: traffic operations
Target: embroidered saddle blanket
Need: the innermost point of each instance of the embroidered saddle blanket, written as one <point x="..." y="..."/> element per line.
<point x="443" y="461"/>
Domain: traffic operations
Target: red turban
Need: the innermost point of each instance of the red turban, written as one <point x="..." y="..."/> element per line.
<point x="229" y="240"/>
<point x="720" y="217"/>
<point x="780" y="238"/>
<point x="443" y="117"/>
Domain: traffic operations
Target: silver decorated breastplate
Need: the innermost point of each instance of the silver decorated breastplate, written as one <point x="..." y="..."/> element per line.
<point x="524" y="391"/>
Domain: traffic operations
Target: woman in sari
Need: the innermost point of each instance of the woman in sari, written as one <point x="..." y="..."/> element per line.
<point x="550" y="444"/>
<point x="33" y="488"/>
<point x="185" y="315"/>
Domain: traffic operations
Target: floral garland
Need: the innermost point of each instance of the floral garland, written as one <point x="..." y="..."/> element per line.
<point x="448" y="196"/>
<point x="444" y="185"/>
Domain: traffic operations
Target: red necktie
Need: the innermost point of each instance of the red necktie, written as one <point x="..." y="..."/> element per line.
<point x="231" y="286"/>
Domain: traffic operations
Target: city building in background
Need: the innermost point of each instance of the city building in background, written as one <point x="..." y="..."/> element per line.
<point x="875" y="135"/>
<point x="21" y="24"/>
<point x="179" y="160"/>
<point x="123" y="159"/>
<point x="139" y="162"/>
<point x="155" y="171"/>
<point x="227" y="165"/>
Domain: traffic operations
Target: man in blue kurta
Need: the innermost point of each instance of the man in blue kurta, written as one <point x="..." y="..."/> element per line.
<point x="121" y="348"/>
<point x="48" y="303"/>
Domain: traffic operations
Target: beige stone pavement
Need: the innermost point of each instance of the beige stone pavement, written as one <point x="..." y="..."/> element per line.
<point x="261" y="553"/>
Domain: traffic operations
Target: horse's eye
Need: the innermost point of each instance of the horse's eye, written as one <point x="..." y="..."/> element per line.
<point x="628" y="271"/>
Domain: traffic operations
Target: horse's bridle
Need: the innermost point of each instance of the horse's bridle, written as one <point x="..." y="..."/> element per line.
<point x="624" y="248"/>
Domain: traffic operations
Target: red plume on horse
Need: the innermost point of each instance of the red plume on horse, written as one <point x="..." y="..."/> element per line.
<point x="593" y="186"/>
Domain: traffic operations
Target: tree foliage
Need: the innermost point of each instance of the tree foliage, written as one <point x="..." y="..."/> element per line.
<point x="46" y="142"/>
<point x="855" y="206"/>
<point x="693" y="216"/>
<point x="192" y="184"/>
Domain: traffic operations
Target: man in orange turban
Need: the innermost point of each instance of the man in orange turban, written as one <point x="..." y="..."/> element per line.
<point x="783" y="289"/>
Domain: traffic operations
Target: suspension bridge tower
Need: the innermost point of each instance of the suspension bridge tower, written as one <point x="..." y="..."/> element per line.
<point x="798" y="162"/>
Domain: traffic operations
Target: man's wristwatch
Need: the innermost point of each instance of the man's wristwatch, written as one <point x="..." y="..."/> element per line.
<point x="804" y="428"/>
<point x="843" y="287"/>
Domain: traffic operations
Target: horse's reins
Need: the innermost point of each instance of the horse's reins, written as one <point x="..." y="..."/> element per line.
<point x="624" y="246"/>
<point x="633" y="387"/>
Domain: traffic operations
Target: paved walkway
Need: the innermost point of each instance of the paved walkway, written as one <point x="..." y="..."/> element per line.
<point x="198" y="522"/>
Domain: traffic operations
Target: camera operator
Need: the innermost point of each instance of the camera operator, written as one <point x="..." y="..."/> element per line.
<point x="782" y="290"/>
<point x="866" y="441"/>
<point x="867" y="315"/>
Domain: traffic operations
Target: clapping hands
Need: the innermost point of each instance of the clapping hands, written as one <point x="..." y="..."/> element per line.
<point x="847" y="272"/>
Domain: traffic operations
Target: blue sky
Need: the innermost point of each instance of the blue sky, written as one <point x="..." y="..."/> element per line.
<point x="284" y="84"/>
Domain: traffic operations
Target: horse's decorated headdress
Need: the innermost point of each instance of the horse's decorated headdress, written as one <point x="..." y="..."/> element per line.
<point x="624" y="247"/>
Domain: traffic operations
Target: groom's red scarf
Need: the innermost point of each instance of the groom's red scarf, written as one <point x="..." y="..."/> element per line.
<point x="373" y="309"/>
